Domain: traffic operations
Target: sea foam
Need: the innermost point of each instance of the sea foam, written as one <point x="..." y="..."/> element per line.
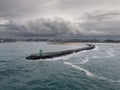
<point x="88" y="73"/>
<point x="85" y="60"/>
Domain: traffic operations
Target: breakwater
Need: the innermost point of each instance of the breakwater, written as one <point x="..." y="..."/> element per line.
<point x="60" y="53"/>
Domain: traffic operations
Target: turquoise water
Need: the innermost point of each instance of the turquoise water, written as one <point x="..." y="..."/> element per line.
<point x="98" y="69"/>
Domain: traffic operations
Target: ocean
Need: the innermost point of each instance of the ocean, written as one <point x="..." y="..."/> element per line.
<point x="97" y="69"/>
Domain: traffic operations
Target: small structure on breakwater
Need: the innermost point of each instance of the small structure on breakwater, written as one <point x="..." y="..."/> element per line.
<point x="60" y="53"/>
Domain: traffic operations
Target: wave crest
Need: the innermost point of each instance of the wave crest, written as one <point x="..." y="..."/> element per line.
<point x="90" y="74"/>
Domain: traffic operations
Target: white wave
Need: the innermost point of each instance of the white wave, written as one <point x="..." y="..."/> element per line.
<point x="81" y="69"/>
<point x="55" y="59"/>
<point x="88" y="73"/>
<point x="85" y="60"/>
<point x="110" y="53"/>
<point x="109" y="80"/>
<point x="102" y="78"/>
<point x="96" y="48"/>
<point x="101" y="57"/>
<point x="114" y="81"/>
<point x="95" y="57"/>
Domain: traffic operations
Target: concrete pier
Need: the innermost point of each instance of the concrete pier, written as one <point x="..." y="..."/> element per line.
<point x="60" y="53"/>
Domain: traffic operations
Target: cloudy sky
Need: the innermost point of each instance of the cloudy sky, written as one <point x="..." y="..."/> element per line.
<point x="60" y="18"/>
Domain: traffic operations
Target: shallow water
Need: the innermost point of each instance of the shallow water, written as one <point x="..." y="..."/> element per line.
<point x="97" y="69"/>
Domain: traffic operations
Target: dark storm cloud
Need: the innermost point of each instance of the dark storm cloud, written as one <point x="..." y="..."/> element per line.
<point x="43" y="27"/>
<point x="55" y="27"/>
<point x="99" y="23"/>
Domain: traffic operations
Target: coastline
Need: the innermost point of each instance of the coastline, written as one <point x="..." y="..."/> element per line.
<point x="60" y="41"/>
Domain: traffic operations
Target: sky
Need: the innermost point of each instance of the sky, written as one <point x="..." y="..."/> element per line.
<point x="60" y="18"/>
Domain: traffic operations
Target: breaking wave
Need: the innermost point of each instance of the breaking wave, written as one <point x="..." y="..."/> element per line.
<point x="85" y="60"/>
<point x="96" y="48"/>
<point x="110" y="53"/>
<point x="90" y="74"/>
<point x="81" y="69"/>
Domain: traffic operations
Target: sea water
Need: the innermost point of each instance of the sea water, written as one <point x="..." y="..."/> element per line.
<point x="97" y="69"/>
